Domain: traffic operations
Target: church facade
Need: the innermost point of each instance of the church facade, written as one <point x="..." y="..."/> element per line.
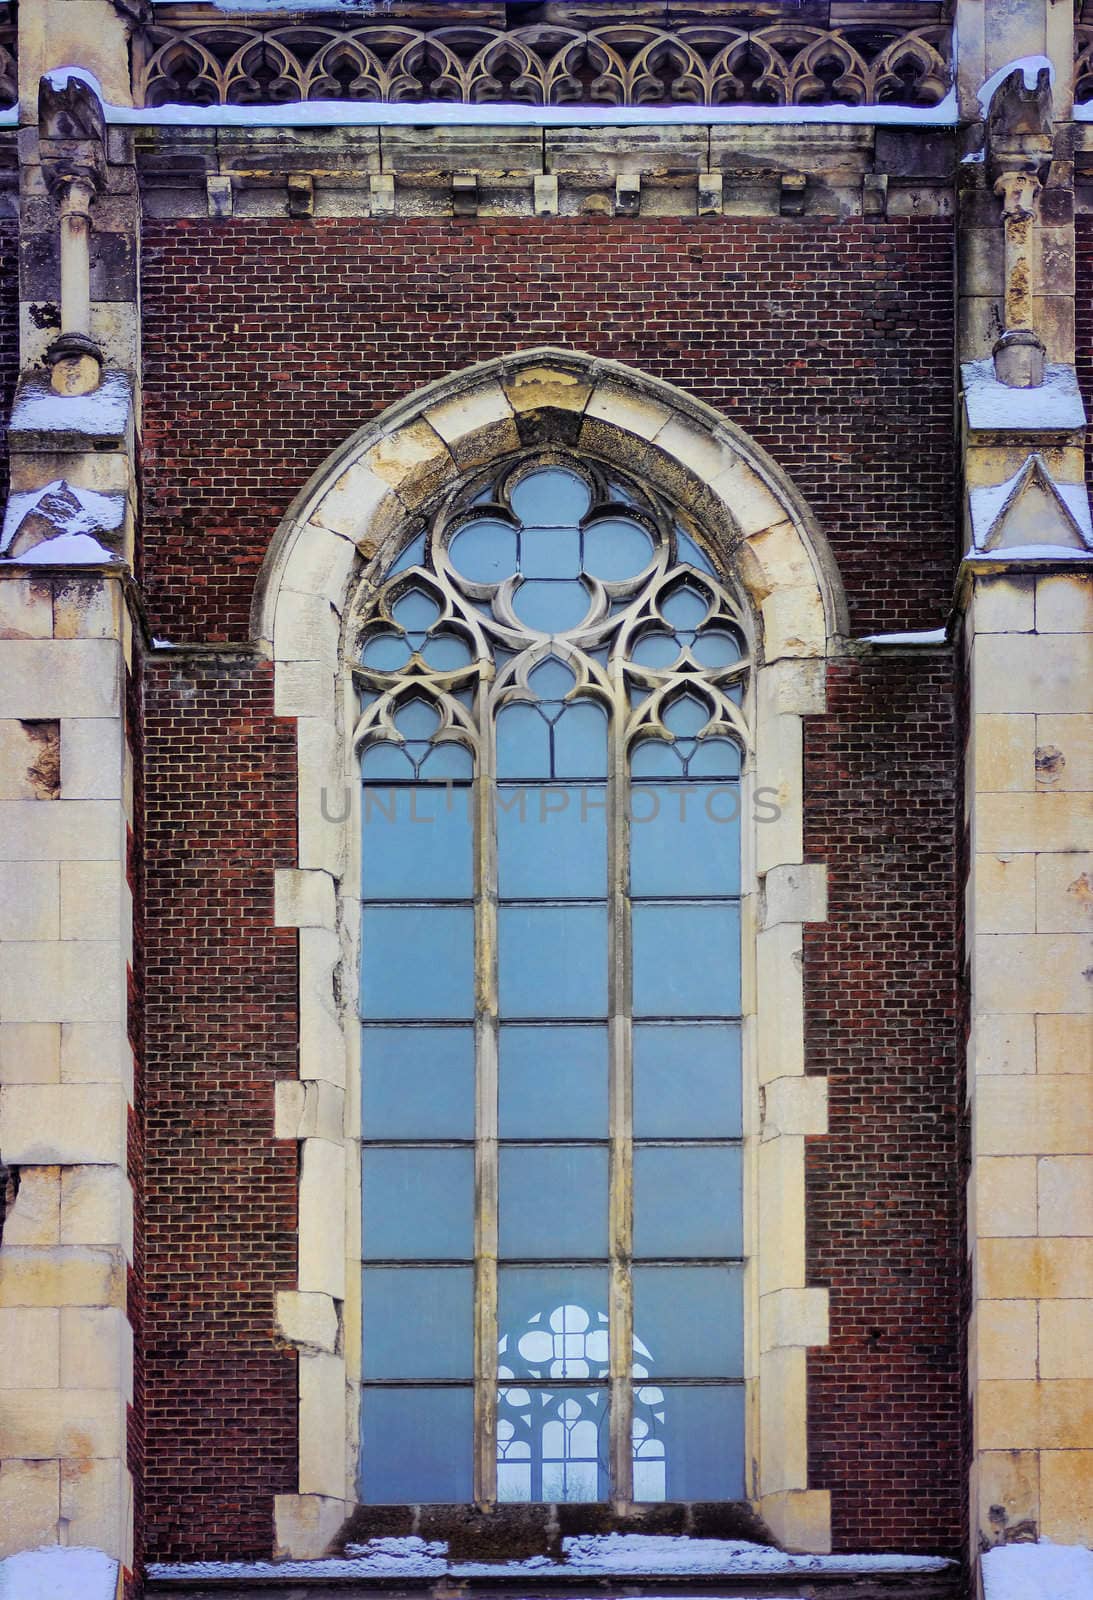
<point x="546" y="596"/>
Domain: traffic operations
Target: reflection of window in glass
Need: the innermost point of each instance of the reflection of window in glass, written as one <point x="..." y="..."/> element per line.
<point x="550" y="739"/>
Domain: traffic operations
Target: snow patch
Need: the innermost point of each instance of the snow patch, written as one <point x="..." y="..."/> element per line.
<point x="374" y="114"/>
<point x="104" y="413"/>
<point x="1042" y="1571"/>
<point x="990" y="502"/>
<point x="59" y="1573"/>
<point x="1055" y="405"/>
<point x="68" y="549"/>
<point x="73" y="512"/>
<point x="1031" y="66"/>
<point x="592" y="1555"/>
<point x="932" y="636"/>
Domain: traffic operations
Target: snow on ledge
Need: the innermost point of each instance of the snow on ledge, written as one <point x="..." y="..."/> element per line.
<point x="59" y="1573"/>
<point x="104" y="413"/>
<point x="932" y="636"/>
<point x="1031" y="66"/>
<point x="1055" y="406"/>
<point x="1042" y="1571"/>
<point x="375" y="114"/>
<point x="77" y="514"/>
<point x="600" y="1555"/>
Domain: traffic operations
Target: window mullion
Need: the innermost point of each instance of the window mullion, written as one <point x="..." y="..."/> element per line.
<point x="486" y="1158"/>
<point x="621" y="1309"/>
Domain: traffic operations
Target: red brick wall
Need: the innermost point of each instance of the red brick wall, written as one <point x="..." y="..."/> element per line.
<point x="883" y="1195"/>
<point x="221" y="1027"/>
<point x="266" y="343"/>
<point x="9" y="333"/>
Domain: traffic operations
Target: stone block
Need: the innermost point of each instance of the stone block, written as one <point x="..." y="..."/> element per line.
<point x="633" y="413"/>
<point x="1004" y="1043"/>
<point x="92" y="758"/>
<point x="1066" y="1496"/>
<point x="303" y="899"/>
<point x="351" y="505"/>
<point x="1050" y="822"/>
<point x="780" y="1035"/>
<point x="86" y="606"/>
<point x="1064" y="751"/>
<point x="325" y="798"/>
<point x="783" y="1416"/>
<point x="94" y="1501"/>
<point x="1033" y="1114"/>
<point x="545" y="387"/>
<point x="47" y="1123"/>
<point x="1064" y="1044"/>
<point x="319" y="569"/>
<point x="65" y="830"/>
<point x="1064" y="893"/>
<point x="27" y="759"/>
<point x="793" y="623"/>
<point x="781" y="1211"/>
<point x="751" y="503"/>
<point x="30" y="1347"/>
<point x="97" y="1205"/>
<point x="793" y="688"/>
<point x="777" y="794"/>
<point x="1003" y="894"/>
<point x="308" y="1320"/>
<point x="795" y="1105"/>
<point x="92" y="895"/>
<point x="1066" y="1339"/>
<point x="476" y="426"/>
<point x="307" y="627"/>
<point x="303" y="689"/>
<point x="322" y="1425"/>
<point x="1002" y="1339"/>
<point x="96" y="1349"/>
<point x="1031" y="672"/>
<point x="96" y="1052"/>
<point x="1005" y="604"/>
<point x="30" y="1052"/>
<point x="1003" y="754"/>
<point x="70" y="981"/>
<point x="306" y="1525"/>
<point x="796" y="892"/>
<point x="1064" y="603"/>
<point x="1005" y="1197"/>
<point x="800" y="1519"/>
<point x="309" y="1110"/>
<point x="69" y="678"/>
<point x="43" y="1424"/>
<point x="1029" y="1414"/>
<point x="30" y="1505"/>
<point x="26" y="608"/>
<point x="1031" y="972"/>
<point x="322" y="1219"/>
<point x="1065" y="1186"/>
<point x="793" y="1317"/>
<point x="412" y="460"/>
<point x="1009" y="1486"/>
<point x="29" y="900"/>
<point x="34" y="1221"/>
<point x="1034" y="1269"/>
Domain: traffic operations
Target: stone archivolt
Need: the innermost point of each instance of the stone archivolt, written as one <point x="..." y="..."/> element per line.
<point x="545" y="64"/>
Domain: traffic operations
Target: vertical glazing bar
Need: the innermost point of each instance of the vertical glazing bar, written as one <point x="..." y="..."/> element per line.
<point x="485" y="1333"/>
<point x="621" y="1117"/>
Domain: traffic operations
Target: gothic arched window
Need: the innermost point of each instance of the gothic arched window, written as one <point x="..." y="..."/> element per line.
<point x="551" y="729"/>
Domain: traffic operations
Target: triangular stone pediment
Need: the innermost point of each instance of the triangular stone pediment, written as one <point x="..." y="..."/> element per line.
<point x="1031" y="512"/>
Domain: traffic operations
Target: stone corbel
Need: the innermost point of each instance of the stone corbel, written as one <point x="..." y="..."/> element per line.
<point x="72" y="142"/>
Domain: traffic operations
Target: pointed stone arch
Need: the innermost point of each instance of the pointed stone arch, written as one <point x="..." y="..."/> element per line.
<point x="328" y="557"/>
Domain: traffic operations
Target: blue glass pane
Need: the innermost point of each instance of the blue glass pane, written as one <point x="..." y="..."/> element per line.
<point x="417" y="1083"/>
<point x="691" y="1319"/>
<point x="448" y="760"/>
<point x="551" y="842"/>
<point x="553" y="1445"/>
<point x="415" y="611"/>
<point x="653" y="758"/>
<point x="715" y="648"/>
<point x="686" y="840"/>
<point x="685" y="608"/>
<point x="416" y="1446"/>
<point x="417" y="1204"/>
<point x="417" y="1322"/>
<point x="446" y="652"/>
<point x="551" y="606"/>
<point x="523" y="743"/>
<point x="386" y="761"/>
<point x="657" y="650"/>
<point x="687" y="1201"/>
<point x="689" y="1443"/>
<point x="616" y="548"/>
<point x="416" y="843"/>
<point x="553" y="961"/>
<point x="686" y="961"/>
<point x="715" y="758"/>
<point x="412" y="556"/>
<point x="687" y="1080"/>
<point x="417" y="719"/>
<point x="580" y="741"/>
<point x="687" y="715"/>
<point x="417" y="962"/>
<point x="385" y="652"/>
<point x="553" y="1083"/>
<point x="690" y="555"/>
<point x="484" y="550"/>
<point x="550" y="552"/>
<point x="550" y="496"/>
<point x="551" y="679"/>
<point x="552" y="1202"/>
<point x="552" y="1322"/>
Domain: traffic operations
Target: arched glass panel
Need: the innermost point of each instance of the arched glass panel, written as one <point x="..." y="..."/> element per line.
<point x="550" y="741"/>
